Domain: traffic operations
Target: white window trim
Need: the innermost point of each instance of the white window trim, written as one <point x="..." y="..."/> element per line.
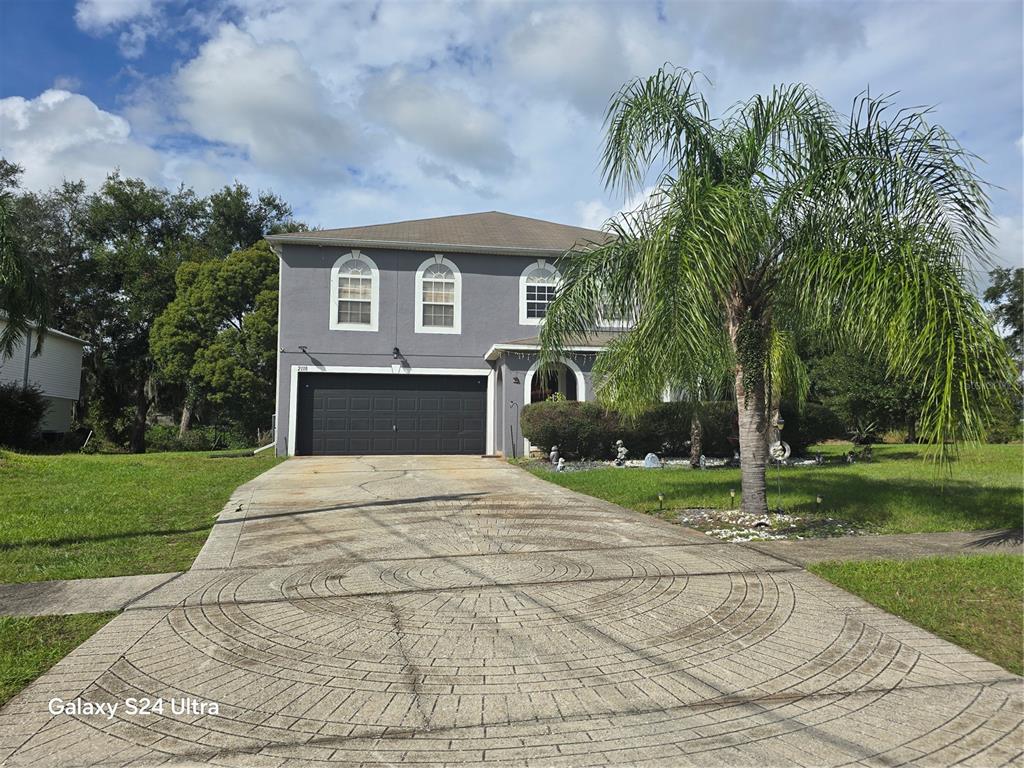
<point x="541" y="264"/>
<point x="374" y="294"/>
<point x="457" y="325"/>
<point x="397" y="370"/>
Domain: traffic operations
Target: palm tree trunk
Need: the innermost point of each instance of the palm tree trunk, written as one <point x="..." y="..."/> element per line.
<point x="753" y="434"/>
<point x="696" y="439"/>
<point x="750" y="333"/>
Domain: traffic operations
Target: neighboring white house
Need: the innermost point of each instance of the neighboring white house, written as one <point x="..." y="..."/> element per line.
<point x="57" y="371"/>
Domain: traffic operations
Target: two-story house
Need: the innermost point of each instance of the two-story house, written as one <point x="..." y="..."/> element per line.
<point x="419" y="337"/>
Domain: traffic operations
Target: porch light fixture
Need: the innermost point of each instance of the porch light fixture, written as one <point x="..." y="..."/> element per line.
<point x="395" y="354"/>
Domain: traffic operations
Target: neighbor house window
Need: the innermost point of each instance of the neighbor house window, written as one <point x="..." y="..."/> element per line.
<point x="355" y="293"/>
<point x="438" y="296"/>
<point x="537" y="287"/>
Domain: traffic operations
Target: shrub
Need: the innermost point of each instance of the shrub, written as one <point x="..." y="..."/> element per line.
<point x="580" y="430"/>
<point x="720" y="423"/>
<point x="808" y="425"/>
<point x="586" y="430"/>
<point x="21" y="411"/>
<point x="663" y="429"/>
<point x="1004" y="425"/>
<point x="161" y="437"/>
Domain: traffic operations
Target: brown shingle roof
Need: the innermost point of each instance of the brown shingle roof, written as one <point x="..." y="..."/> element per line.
<point x="480" y="232"/>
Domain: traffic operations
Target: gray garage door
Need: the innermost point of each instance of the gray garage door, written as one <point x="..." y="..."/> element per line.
<point x="348" y="413"/>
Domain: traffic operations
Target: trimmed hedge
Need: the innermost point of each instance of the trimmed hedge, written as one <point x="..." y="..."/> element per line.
<point x="21" y="411"/>
<point x="588" y="430"/>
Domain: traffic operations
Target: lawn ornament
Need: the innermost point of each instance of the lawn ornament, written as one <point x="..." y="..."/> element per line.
<point x="620" y="454"/>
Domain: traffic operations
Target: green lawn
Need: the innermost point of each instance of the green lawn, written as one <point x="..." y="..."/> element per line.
<point x="902" y="491"/>
<point x="74" y="516"/>
<point x="30" y="645"/>
<point x="975" y="601"/>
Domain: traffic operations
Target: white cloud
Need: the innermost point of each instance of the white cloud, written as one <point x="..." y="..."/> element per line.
<point x="575" y="53"/>
<point x="61" y="135"/>
<point x="100" y="15"/>
<point x="265" y="100"/>
<point x="366" y="111"/>
<point x="1009" y="236"/>
<point x="442" y="120"/>
<point x="66" y="83"/>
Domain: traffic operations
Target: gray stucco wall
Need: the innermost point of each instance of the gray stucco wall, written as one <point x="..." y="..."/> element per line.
<point x="490" y="315"/>
<point x="514" y="374"/>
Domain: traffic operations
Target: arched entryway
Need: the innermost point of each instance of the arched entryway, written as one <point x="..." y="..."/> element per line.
<point x="564" y="377"/>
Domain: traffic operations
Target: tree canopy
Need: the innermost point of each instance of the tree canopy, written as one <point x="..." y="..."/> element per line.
<point x="783" y="220"/>
<point x="103" y="265"/>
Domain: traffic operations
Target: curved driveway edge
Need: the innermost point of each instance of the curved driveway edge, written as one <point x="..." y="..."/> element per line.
<point x="435" y="610"/>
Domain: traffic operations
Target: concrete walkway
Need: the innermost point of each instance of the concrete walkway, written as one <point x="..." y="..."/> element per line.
<point x="50" y="598"/>
<point x="458" y="610"/>
<point x="903" y="546"/>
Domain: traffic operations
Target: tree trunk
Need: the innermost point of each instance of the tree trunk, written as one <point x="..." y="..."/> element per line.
<point x="142" y="401"/>
<point x="753" y="433"/>
<point x="748" y="333"/>
<point x="696" y="440"/>
<point x="186" y="418"/>
<point x="912" y="428"/>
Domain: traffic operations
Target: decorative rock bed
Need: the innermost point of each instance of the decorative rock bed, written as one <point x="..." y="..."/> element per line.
<point x="736" y="526"/>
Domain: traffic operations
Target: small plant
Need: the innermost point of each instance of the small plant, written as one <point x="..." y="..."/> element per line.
<point x="863" y="433"/>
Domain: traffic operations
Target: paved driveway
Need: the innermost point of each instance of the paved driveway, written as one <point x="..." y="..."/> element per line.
<point x="432" y="610"/>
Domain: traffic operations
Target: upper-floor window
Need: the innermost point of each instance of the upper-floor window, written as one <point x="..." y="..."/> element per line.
<point x="537" y="288"/>
<point x="355" y="293"/>
<point x="438" y="297"/>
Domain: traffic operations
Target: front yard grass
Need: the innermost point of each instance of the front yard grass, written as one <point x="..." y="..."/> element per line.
<point x="74" y="516"/>
<point x="901" y="491"/>
<point x="975" y="601"/>
<point x="30" y="645"/>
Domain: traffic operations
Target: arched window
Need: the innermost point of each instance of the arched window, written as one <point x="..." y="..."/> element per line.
<point x="355" y="293"/>
<point x="438" y="297"/>
<point x="537" y="287"/>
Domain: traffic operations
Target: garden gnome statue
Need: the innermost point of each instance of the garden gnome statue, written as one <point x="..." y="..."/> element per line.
<point x="561" y="466"/>
<point x="553" y="456"/>
<point x="620" y="454"/>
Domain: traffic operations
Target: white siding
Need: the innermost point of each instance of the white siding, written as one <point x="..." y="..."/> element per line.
<point x="57" y="371"/>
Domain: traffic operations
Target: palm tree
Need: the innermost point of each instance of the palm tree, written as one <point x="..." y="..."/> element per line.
<point x="777" y="222"/>
<point x="24" y="302"/>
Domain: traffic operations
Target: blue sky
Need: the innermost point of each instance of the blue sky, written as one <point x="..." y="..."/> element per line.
<point x="366" y="112"/>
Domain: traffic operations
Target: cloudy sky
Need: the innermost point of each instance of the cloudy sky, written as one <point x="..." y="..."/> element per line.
<point x="365" y="112"/>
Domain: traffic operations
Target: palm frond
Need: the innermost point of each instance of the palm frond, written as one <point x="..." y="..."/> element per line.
<point x="662" y="118"/>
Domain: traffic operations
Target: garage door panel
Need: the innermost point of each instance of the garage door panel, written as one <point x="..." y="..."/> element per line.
<point x="390" y="414"/>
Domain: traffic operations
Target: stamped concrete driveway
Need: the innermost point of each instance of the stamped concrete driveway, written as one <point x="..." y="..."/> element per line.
<point x="458" y="610"/>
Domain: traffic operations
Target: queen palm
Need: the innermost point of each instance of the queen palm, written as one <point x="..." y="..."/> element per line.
<point x="783" y="221"/>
